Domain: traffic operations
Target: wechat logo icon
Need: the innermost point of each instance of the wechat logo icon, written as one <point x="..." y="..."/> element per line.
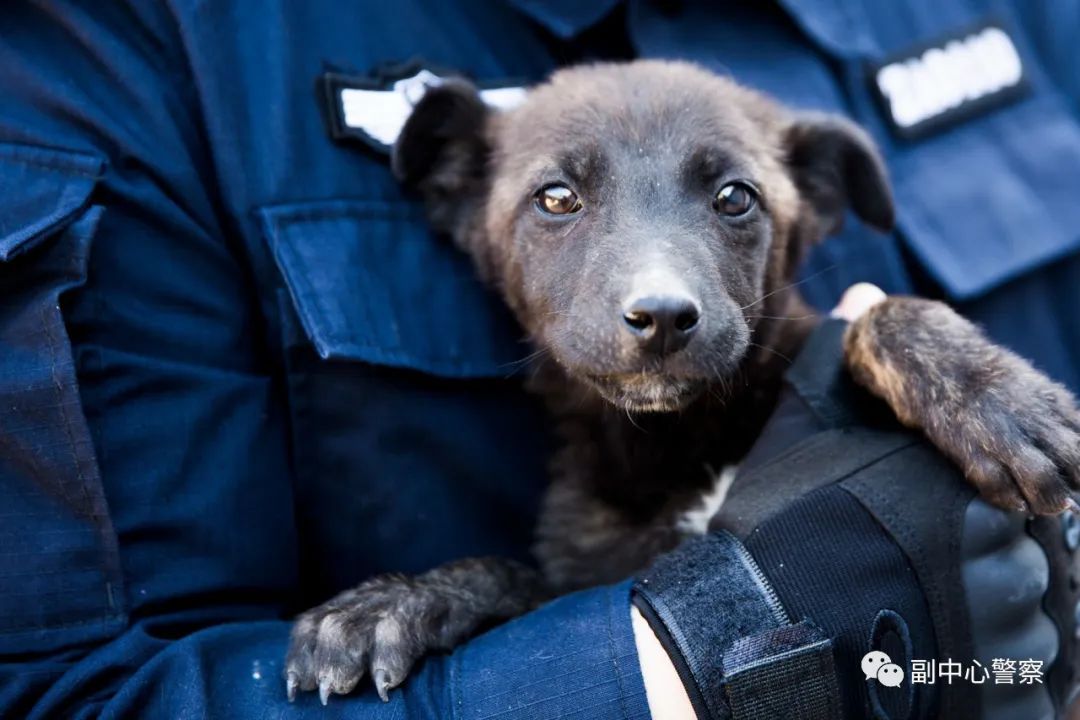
<point x="876" y="665"/>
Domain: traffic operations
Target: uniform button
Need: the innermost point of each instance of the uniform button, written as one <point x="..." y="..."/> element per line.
<point x="1070" y="525"/>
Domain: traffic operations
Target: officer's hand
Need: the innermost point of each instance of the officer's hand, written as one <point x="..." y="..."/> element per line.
<point x="858" y="298"/>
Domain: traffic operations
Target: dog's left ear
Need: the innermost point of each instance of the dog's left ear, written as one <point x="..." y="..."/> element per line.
<point x="836" y="166"/>
<point x="442" y="151"/>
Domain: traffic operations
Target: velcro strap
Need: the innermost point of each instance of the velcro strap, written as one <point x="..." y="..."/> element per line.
<point x="786" y="672"/>
<point x="730" y="638"/>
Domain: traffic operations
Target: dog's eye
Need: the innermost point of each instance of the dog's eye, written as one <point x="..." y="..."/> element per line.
<point x="735" y="199"/>
<point x="557" y="199"/>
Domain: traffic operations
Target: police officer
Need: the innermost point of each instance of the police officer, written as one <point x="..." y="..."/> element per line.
<point x="238" y="372"/>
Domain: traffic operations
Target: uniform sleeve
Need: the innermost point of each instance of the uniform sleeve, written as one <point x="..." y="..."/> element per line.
<point x="144" y="474"/>
<point x="573" y="657"/>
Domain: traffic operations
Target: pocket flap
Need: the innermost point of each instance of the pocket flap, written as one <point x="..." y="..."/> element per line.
<point x="42" y="189"/>
<point x="989" y="201"/>
<point x="986" y="197"/>
<point x="370" y="282"/>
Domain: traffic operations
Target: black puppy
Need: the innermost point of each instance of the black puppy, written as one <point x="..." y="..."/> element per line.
<point x="645" y="222"/>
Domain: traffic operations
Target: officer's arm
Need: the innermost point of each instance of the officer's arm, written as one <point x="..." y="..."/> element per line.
<point x="665" y="692"/>
<point x="143" y="475"/>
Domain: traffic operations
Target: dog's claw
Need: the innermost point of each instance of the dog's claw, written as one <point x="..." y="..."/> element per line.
<point x="382" y="684"/>
<point x="378" y="630"/>
<point x="292" y="682"/>
<point x="324" y="690"/>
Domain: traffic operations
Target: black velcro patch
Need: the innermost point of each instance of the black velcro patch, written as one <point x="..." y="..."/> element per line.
<point x="373" y="108"/>
<point x="937" y="85"/>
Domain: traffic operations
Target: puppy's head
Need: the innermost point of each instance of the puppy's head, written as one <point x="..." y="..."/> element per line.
<point x="641" y="219"/>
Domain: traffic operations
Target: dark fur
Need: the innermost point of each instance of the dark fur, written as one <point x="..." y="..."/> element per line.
<point x="647" y="145"/>
<point x="1015" y="434"/>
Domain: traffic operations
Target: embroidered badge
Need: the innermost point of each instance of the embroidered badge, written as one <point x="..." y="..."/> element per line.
<point x="938" y="85"/>
<point x="374" y="108"/>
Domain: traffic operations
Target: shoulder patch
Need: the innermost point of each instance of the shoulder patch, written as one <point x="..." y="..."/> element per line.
<point x="936" y="85"/>
<point x="374" y="108"/>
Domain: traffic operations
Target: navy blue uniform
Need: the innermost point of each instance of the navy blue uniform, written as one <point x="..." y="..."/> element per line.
<point x="238" y="373"/>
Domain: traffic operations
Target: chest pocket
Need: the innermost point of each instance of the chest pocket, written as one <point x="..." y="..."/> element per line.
<point x="369" y="283"/>
<point x="987" y="199"/>
<point x="414" y="441"/>
<point x="60" y="581"/>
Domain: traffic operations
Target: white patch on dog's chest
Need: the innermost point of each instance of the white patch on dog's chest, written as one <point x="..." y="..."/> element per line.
<point x="695" y="521"/>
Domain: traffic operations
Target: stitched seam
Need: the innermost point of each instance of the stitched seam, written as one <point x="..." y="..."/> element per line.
<point x="375" y="209"/>
<point x="799" y="453"/>
<point x="92" y="508"/>
<point x="455" y="687"/>
<point x="57" y="165"/>
<point x="615" y="656"/>
<point x="99" y="620"/>
<point x="58" y="390"/>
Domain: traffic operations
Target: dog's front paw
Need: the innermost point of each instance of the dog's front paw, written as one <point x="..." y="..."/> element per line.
<point x="386" y="624"/>
<point x="1013" y="431"/>
<point x="380" y="627"/>
<point x="1018" y="442"/>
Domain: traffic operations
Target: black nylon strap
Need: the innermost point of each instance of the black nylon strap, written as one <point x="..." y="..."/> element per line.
<point x="819" y="378"/>
<point x="786" y="672"/>
<point x="730" y="639"/>
<point x="818" y="461"/>
<point x="850" y="430"/>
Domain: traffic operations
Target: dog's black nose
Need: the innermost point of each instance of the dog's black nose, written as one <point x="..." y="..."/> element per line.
<point x="662" y="324"/>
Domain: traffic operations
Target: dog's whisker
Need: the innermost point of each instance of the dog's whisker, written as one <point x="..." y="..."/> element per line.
<point x="514" y="365"/>
<point x="774" y="351"/>
<point x="789" y="286"/>
<point x="780" y="317"/>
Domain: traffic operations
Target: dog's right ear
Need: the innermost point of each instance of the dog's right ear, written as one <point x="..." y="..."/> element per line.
<point x="442" y="151"/>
